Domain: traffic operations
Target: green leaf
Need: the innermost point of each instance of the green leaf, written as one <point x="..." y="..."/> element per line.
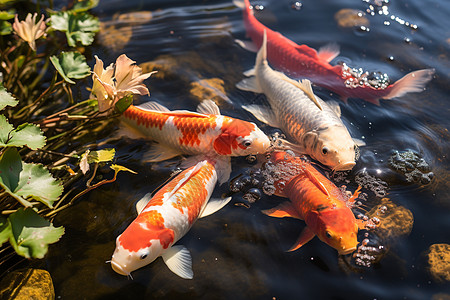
<point x="30" y="234"/>
<point x="84" y="5"/>
<point x="124" y="103"/>
<point x="103" y="155"/>
<point x="26" y="134"/>
<point x="5" y="28"/>
<point x="118" y="168"/>
<point x="78" y="26"/>
<point x="71" y="65"/>
<point x="5" y="230"/>
<point x="7" y="15"/>
<point x="25" y="180"/>
<point x="6" y="98"/>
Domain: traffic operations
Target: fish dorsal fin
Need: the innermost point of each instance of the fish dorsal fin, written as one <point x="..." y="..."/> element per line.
<point x="306" y="50"/>
<point x="328" y="52"/>
<point x="156" y="107"/>
<point x="285" y="209"/>
<point x="153" y="106"/>
<point x="263" y="113"/>
<point x="358" y="142"/>
<point x="213" y="205"/>
<point x="141" y="204"/>
<point x="178" y="260"/>
<point x="160" y="152"/>
<point x="208" y="107"/>
<point x="305" y="86"/>
<point x="334" y="105"/>
<point x="316" y="181"/>
<point x="306" y="235"/>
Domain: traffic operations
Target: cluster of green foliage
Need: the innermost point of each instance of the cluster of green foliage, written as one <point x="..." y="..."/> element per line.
<point x="45" y="127"/>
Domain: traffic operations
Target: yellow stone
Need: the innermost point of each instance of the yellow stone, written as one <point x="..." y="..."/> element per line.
<point x="347" y="17"/>
<point x="439" y="260"/>
<point x="25" y="284"/>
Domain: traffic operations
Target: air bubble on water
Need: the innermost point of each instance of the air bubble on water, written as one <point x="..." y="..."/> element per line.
<point x="252" y="195"/>
<point x="268" y="189"/>
<point x="297" y="5"/>
<point x="367" y="181"/>
<point x="251" y="159"/>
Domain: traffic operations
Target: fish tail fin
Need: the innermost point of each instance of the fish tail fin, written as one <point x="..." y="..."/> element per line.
<point x="261" y="57"/>
<point x="410" y="83"/>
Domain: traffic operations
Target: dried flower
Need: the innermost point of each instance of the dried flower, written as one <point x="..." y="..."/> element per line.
<point x="117" y="81"/>
<point x="29" y="30"/>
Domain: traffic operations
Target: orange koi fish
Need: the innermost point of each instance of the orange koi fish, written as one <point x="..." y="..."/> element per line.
<point x="302" y="61"/>
<point x="167" y="217"/>
<point x="204" y="132"/>
<point x="317" y="201"/>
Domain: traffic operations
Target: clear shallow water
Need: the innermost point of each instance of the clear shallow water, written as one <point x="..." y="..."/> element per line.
<point x="238" y="252"/>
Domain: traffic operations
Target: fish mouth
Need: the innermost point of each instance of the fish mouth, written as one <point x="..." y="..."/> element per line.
<point x="345" y="166"/>
<point x="119" y="269"/>
<point x="347" y="251"/>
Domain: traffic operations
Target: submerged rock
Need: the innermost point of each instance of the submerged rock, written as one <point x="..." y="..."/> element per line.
<point x="412" y="165"/>
<point x="394" y="220"/>
<point x="439" y="261"/>
<point x="347" y="17"/>
<point x="27" y="284"/>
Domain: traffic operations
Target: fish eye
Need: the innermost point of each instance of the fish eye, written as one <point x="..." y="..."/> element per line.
<point x="143" y="256"/>
<point x="325" y="150"/>
<point x="247" y="143"/>
<point x="328" y="234"/>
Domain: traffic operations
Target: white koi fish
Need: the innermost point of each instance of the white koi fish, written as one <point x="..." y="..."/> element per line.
<point x="313" y="125"/>
<point x="167" y="217"/>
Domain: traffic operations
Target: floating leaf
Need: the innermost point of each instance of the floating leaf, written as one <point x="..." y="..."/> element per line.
<point x="29" y="233"/>
<point x="6" y="98"/>
<point x="124" y="103"/>
<point x="5" y="28"/>
<point x="103" y="155"/>
<point x="23" y="180"/>
<point x="5" y="230"/>
<point x="84" y="164"/>
<point x="85" y="5"/>
<point x="118" y="168"/>
<point x="71" y="65"/>
<point x="78" y="26"/>
<point x="7" y="15"/>
<point x="26" y="134"/>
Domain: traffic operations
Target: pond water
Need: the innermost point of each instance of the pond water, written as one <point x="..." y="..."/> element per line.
<point x="238" y="252"/>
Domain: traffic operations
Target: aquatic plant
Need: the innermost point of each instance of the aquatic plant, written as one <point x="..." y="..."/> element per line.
<point x="49" y="124"/>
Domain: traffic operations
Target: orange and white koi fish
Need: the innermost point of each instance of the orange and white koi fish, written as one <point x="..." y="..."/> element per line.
<point x="204" y="132"/>
<point x="301" y="61"/>
<point x="167" y="217"/>
<point x="317" y="201"/>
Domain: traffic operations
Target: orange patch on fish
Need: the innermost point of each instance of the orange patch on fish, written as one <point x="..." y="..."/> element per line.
<point x="148" y="226"/>
<point x="145" y="118"/>
<point x="191" y="129"/>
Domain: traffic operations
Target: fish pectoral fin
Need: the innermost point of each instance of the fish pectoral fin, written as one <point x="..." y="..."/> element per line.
<point x="334" y="105"/>
<point x="250" y="72"/>
<point x="297" y="149"/>
<point x="306" y="235"/>
<point x="247" y="45"/>
<point x="262" y="113"/>
<point x="249" y="84"/>
<point x="213" y="205"/>
<point x="285" y="209"/>
<point x="159" y="152"/>
<point x="208" y="107"/>
<point x="141" y="204"/>
<point x="359" y="142"/>
<point x="178" y="260"/>
<point x="316" y="181"/>
<point x="153" y="106"/>
<point x="328" y="52"/>
<point x="223" y="168"/>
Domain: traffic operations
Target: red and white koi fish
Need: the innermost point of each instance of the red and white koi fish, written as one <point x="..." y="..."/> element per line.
<point x="317" y="201"/>
<point x="301" y="61"/>
<point x="205" y="132"/>
<point x="313" y="125"/>
<point x="167" y="217"/>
